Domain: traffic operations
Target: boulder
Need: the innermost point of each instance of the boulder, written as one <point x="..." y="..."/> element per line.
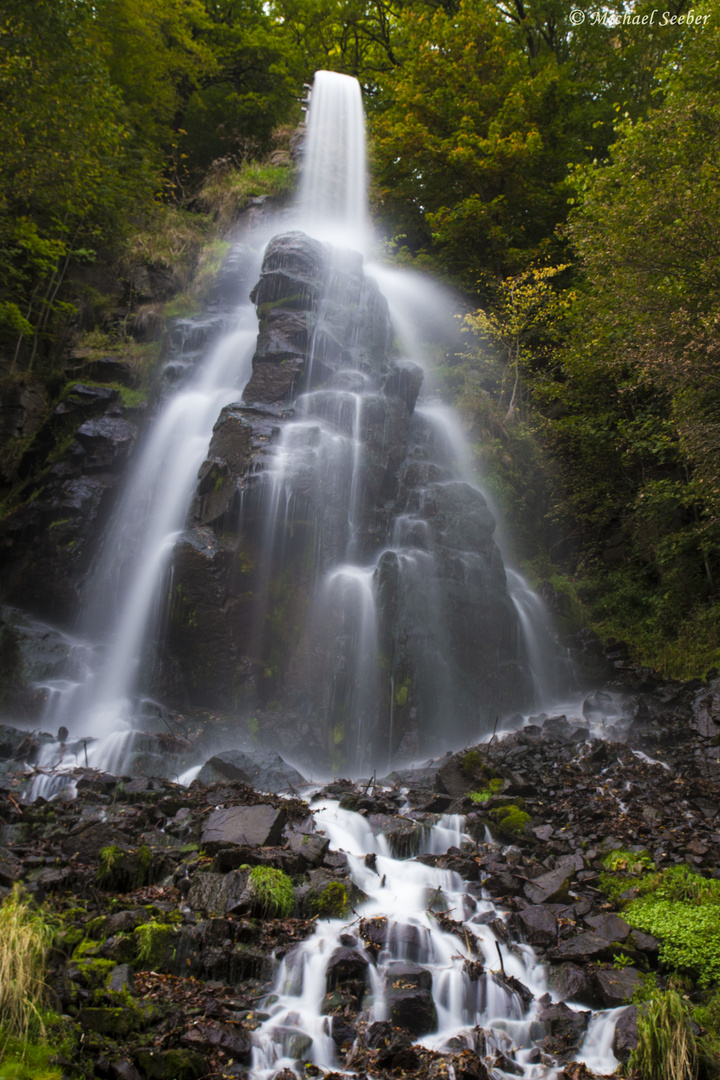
<point x="616" y="986"/>
<point x="249" y="826"/>
<point x="538" y="925"/>
<point x="565" y="1027"/>
<point x="345" y="965"/>
<point x="549" y="887"/>
<point x="262" y="769"/>
<point x="412" y="1008"/>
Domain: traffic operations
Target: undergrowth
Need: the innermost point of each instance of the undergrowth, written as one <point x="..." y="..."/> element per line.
<point x="25" y="938"/>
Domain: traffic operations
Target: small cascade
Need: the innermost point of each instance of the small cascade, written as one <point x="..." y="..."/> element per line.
<point x="446" y="985"/>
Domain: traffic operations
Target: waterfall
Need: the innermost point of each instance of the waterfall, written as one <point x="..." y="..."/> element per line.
<point x="335" y="570"/>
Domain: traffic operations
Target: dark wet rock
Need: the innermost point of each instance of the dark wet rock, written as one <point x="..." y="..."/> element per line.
<point x="217" y="893"/>
<point x="400" y="973"/>
<point x="643" y="943"/>
<point x="583" y="948"/>
<point x="549" y="887"/>
<point x="538" y="925"/>
<point x="597" y="705"/>
<point x="608" y="926"/>
<point x="107" y="441"/>
<point x="616" y="986"/>
<point x="345" y="965"/>
<point x="626" y="1034"/>
<point x="86" y="844"/>
<point x="243" y="825"/>
<point x="121" y="978"/>
<point x="261" y="769"/>
<point x="171" y="1064"/>
<point x="565" y="1027"/>
<point x="404" y="836"/>
<point x="412" y="1008"/>
<point x="388" y="1043"/>
<point x="233" y="1040"/>
<point x="572" y="983"/>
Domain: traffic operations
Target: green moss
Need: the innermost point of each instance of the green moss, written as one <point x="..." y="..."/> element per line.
<point x="494" y="787"/>
<point x="510" y="821"/>
<point x="23" y="1060"/>
<point x="274" y="892"/>
<point x="472" y="763"/>
<point x="123" y="870"/>
<point x="333" y="902"/>
<point x="401" y="695"/>
<point x="154" y="943"/>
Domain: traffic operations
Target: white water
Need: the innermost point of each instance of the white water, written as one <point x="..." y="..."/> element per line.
<point x="333" y="199"/>
<point x="130" y="579"/>
<point x="408" y="893"/>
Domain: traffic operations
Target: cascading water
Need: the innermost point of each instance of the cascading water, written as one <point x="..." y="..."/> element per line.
<point x="119" y="625"/>
<point x="453" y="984"/>
<point x="355" y="591"/>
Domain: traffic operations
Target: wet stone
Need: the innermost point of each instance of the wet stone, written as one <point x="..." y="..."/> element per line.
<point x="538" y="925"/>
<point x="572" y="983"/>
<point x="565" y="1027"/>
<point x="616" y="987"/>
<point x="413" y="1009"/>
<point x="343" y="966"/>
<point x="252" y="826"/>
<point x="609" y="926"/>
<point x="399" y="973"/>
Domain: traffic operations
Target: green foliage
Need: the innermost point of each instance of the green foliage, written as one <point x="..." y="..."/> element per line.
<point x="228" y="189"/>
<point x="25" y="938"/>
<point x="682" y="909"/>
<point x="632" y="862"/>
<point x="666" y="1048"/>
<point x="494" y="787"/>
<point x="472" y="763"/>
<point x="21" y="1059"/>
<point x="274" y="892"/>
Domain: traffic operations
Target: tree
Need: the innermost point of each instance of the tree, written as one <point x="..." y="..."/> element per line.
<point x="66" y="174"/>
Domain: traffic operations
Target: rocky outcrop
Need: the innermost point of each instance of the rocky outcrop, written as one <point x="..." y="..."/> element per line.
<point x="324" y="465"/>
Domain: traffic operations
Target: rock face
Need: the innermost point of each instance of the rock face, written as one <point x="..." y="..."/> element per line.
<point x="338" y="584"/>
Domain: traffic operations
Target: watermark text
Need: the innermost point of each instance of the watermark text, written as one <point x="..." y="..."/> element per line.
<point x="656" y="17"/>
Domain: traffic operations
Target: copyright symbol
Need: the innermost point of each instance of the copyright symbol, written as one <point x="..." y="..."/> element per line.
<point x="577" y="16"/>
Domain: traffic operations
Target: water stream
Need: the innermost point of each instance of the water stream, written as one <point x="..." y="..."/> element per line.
<point x="448" y="985"/>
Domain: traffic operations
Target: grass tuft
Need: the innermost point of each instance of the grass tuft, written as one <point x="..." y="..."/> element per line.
<point x="25" y="937"/>
<point x="666" y="1048"/>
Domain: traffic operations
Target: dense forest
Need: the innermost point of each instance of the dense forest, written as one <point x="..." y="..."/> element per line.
<point x="556" y="167"/>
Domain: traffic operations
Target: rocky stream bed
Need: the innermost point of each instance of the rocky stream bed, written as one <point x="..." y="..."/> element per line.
<point x="173" y="917"/>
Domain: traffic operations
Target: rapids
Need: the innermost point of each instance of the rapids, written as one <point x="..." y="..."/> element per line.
<point x="452" y="989"/>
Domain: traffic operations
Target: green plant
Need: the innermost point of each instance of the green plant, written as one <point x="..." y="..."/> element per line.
<point x="22" y="1060"/>
<point x="666" y="1047"/>
<point x="274" y="892"/>
<point x="633" y="862"/>
<point x="494" y="787"/>
<point x="682" y="909"/>
<point x="25" y="937"/>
